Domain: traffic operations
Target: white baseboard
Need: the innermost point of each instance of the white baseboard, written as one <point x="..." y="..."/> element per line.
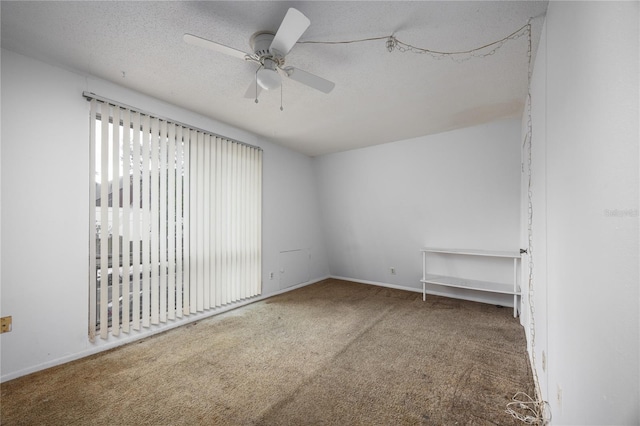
<point x="112" y="342"/>
<point x="468" y="295"/>
<point x="379" y="284"/>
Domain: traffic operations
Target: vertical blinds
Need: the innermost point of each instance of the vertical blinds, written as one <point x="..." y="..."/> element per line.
<point x="176" y="217"/>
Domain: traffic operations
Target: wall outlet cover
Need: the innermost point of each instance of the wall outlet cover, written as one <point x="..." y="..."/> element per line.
<point x="5" y="324"/>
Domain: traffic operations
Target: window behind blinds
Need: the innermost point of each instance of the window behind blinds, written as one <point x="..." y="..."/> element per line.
<point x="176" y="217"/>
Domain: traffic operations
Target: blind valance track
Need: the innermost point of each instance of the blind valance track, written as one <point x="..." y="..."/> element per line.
<point x="90" y="95"/>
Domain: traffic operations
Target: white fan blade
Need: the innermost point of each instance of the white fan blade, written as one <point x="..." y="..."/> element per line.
<point x="251" y="90"/>
<point x="212" y="45"/>
<point x="310" y="80"/>
<point x="291" y="29"/>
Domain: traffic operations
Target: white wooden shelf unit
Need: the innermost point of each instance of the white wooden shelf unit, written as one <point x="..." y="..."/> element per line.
<point x="487" y="286"/>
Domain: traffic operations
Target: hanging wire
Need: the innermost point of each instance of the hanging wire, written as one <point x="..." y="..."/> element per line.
<point x="526" y="409"/>
<point x="465" y="54"/>
<point x="393" y="43"/>
<point x="344" y="42"/>
<point x="523" y="407"/>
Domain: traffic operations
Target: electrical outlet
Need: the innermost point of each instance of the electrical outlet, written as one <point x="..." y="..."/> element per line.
<point x="5" y="324"/>
<point x="270" y="275"/>
<point x="393" y="270"/>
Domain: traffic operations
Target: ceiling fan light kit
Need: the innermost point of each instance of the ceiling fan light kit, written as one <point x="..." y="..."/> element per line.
<point x="267" y="76"/>
<point x="269" y="52"/>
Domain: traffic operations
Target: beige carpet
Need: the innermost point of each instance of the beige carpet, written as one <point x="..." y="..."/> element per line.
<point x="332" y="353"/>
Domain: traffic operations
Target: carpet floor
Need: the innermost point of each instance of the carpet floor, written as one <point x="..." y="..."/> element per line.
<point x="331" y="353"/>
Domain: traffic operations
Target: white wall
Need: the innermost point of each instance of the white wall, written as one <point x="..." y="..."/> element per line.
<point x="586" y="232"/>
<point x="291" y="215"/>
<point x="456" y="189"/>
<point x="45" y="194"/>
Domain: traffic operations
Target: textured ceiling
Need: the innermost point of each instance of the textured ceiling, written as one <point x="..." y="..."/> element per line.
<point x="379" y="96"/>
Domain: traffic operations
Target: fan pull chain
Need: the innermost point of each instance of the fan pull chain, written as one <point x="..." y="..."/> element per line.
<point x="281" y="109"/>
<point x="257" y="84"/>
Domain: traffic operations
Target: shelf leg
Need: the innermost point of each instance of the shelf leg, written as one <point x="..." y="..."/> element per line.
<point x="515" y="287"/>
<point x="424" y="274"/>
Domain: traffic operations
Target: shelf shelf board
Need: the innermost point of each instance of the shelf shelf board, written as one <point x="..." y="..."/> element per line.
<point x="489" y="253"/>
<point x="477" y="285"/>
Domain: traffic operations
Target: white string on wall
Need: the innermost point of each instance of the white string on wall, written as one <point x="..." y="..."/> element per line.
<point x="523" y="407"/>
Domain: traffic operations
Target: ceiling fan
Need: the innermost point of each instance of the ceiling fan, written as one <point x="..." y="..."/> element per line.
<point x="269" y="51"/>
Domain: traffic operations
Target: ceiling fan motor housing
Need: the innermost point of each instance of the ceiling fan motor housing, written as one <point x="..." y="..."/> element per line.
<point x="260" y="44"/>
